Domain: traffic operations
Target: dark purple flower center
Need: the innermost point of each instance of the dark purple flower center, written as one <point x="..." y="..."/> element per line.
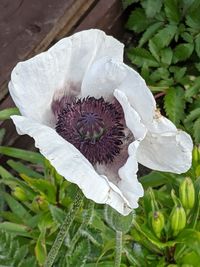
<point x="94" y="127"/>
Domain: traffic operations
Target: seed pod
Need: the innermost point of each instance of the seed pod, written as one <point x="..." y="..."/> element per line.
<point x="177" y="219"/>
<point x="187" y="193"/>
<point x="158" y="223"/>
<point x="20" y="194"/>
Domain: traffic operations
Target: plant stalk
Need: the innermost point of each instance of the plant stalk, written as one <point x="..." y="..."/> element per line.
<point x="64" y="230"/>
<point x="118" y="249"/>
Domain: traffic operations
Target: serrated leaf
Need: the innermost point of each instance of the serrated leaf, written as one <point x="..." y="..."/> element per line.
<point x="174" y="104"/>
<point x="152" y="7"/>
<point x="6" y="113"/>
<point x="166" y="55"/>
<point x="193" y="115"/>
<point x="197" y="45"/>
<point x="196" y="128"/>
<point x="42" y="186"/>
<point x="29" y="156"/>
<point x="154" y="49"/>
<point x="58" y="215"/>
<point x="193" y="90"/>
<point x="150" y="31"/>
<point x="165" y="36"/>
<point x="172" y="11"/>
<point x="160" y="73"/>
<point x="192" y="18"/>
<point x="182" y="52"/>
<point x="187" y="37"/>
<point x="80" y="254"/>
<point x="137" y="21"/>
<point x="140" y="56"/>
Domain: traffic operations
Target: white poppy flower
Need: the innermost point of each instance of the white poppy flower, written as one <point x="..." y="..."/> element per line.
<point x="94" y="118"/>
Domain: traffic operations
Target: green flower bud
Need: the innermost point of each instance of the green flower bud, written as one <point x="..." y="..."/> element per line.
<point x="157" y="222"/>
<point x="187" y="193"/>
<point x="39" y="203"/>
<point x="195" y="155"/>
<point x="20" y="194"/>
<point x="177" y="219"/>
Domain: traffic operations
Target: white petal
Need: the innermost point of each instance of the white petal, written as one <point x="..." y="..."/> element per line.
<point x="129" y="184"/>
<point x="165" y="148"/>
<point x="106" y="75"/>
<point x="71" y="164"/>
<point x="133" y="120"/>
<point x="35" y="81"/>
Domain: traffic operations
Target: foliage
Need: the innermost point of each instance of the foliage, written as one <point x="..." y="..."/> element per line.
<point x="39" y="199"/>
<point x="167" y="55"/>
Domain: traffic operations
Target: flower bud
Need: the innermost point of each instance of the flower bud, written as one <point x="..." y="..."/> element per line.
<point x="187" y="193"/>
<point x="20" y="194"/>
<point x="157" y="222"/>
<point x="177" y="219"/>
<point x="39" y="203"/>
<point x="195" y="155"/>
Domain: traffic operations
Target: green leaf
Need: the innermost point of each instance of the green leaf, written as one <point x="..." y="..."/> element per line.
<point x="191" y="238"/>
<point x="40" y="248"/>
<point x="160" y="73"/>
<point x="137" y="21"/>
<point x="182" y="52"/>
<point x="172" y="11"/>
<point x="23" y="169"/>
<point x="192" y="18"/>
<point x="140" y="56"/>
<point x="44" y="187"/>
<point x="6" y="113"/>
<point x="58" y="214"/>
<point x="196" y="128"/>
<point x="153" y="179"/>
<point x="152" y="7"/>
<point x="127" y="3"/>
<point x="187" y="37"/>
<point x="174" y="104"/>
<point x="165" y="36"/>
<point x="166" y="55"/>
<point x="154" y="49"/>
<point x="193" y="115"/>
<point x="16" y="229"/>
<point x="29" y="156"/>
<point x="80" y="254"/>
<point x="150" y="31"/>
<point x="193" y="90"/>
<point x="197" y="45"/>
<point x="16" y="207"/>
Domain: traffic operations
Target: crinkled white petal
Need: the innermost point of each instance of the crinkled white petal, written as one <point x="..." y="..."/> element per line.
<point x="165" y="148"/>
<point x="129" y="184"/>
<point x="133" y="120"/>
<point x="71" y="164"/>
<point x="107" y="74"/>
<point x="60" y="69"/>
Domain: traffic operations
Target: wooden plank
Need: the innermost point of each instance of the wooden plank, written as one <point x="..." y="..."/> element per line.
<point x="27" y="27"/>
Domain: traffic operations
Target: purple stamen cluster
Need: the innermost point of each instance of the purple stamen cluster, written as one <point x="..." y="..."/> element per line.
<point x="94" y="127"/>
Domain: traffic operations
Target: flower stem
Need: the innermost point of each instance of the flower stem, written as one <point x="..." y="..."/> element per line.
<point x="64" y="230"/>
<point x="118" y="249"/>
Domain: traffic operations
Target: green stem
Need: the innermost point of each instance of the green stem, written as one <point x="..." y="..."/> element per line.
<point x="64" y="230"/>
<point x="118" y="249"/>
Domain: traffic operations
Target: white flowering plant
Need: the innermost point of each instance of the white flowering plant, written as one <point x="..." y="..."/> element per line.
<point x="93" y="119"/>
